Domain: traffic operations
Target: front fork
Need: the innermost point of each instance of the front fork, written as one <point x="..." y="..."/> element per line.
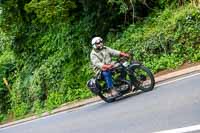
<point x="131" y="71"/>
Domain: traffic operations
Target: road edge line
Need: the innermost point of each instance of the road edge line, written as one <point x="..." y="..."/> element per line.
<point x="96" y="99"/>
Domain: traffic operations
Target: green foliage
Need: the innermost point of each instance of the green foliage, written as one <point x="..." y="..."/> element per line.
<point x="48" y="11"/>
<point x="172" y="3"/>
<point x="164" y="41"/>
<point x="37" y="107"/>
<point x="123" y="7"/>
<point x="45" y="45"/>
<point x="7" y="67"/>
<point x="20" y="109"/>
<point x="50" y="76"/>
<point x="5" y="41"/>
<point x="54" y="100"/>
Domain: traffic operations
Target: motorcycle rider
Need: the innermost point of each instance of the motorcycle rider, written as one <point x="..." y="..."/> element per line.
<point x="101" y="58"/>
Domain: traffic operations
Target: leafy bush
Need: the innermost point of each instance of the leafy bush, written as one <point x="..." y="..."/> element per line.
<point x="7" y="68"/>
<point x="166" y="40"/>
<point x="20" y="110"/>
<point x="48" y="11"/>
<point x="49" y="74"/>
<point x="45" y="53"/>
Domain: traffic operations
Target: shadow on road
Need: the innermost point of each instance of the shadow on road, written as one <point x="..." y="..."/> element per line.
<point x="128" y="95"/>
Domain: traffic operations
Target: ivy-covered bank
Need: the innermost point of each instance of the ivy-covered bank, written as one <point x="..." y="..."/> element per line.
<point x="45" y="45"/>
<point x="165" y="40"/>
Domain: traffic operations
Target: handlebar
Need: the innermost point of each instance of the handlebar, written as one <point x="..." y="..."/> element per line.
<point x="121" y="60"/>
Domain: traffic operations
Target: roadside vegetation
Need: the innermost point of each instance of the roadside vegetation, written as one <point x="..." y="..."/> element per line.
<point x="45" y="45"/>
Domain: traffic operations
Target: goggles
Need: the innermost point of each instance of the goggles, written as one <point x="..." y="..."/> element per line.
<point x="98" y="42"/>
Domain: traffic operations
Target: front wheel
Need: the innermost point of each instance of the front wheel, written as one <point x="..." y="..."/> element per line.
<point x="142" y="78"/>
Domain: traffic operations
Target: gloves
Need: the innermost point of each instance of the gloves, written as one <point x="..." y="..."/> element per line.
<point x="106" y="67"/>
<point x="124" y="54"/>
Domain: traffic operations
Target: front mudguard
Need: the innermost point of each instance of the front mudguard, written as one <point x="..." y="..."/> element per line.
<point x="133" y="65"/>
<point x="131" y="69"/>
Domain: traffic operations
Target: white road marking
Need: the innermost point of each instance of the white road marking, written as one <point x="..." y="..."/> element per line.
<point x="182" y="130"/>
<point x="175" y="80"/>
<point x="49" y="116"/>
<point x="92" y="104"/>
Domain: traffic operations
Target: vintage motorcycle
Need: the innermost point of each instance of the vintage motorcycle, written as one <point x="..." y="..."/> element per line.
<point x="138" y="77"/>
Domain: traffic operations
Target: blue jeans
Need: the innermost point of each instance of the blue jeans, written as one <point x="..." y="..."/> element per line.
<point x="107" y="76"/>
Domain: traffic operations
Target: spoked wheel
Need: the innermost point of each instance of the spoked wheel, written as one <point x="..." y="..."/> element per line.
<point x="142" y="78"/>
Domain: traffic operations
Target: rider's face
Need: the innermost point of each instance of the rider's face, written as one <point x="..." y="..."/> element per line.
<point x="99" y="45"/>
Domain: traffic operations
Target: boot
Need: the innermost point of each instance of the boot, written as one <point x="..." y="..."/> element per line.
<point x="114" y="92"/>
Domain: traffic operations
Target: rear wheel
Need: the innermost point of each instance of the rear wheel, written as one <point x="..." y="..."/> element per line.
<point x="142" y="78"/>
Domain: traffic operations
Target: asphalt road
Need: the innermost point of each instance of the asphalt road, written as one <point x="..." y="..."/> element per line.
<point x="174" y="104"/>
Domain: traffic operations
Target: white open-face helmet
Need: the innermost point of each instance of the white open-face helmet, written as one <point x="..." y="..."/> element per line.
<point x="97" y="42"/>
